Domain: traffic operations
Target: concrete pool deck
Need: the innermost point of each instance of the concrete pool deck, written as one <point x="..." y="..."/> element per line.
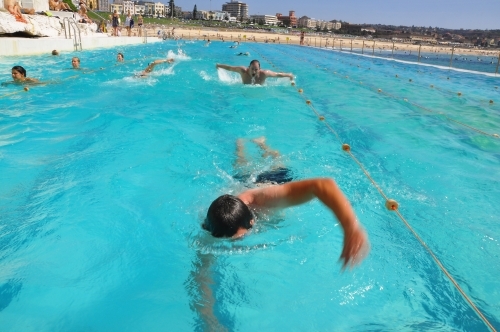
<point x="17" y="46"/>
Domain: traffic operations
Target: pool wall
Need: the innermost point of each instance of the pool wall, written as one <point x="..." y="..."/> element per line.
<point x="28" y="46"/>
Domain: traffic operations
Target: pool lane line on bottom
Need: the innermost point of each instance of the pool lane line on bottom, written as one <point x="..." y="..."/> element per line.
<point x="374" y="62"/>
<point x="392" y="205"/>
<point x="410" y="80"/>
<point x="406" y="100"/>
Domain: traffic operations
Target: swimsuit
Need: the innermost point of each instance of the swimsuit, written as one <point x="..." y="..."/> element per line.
<point x="115" y="22"/>
<point x="278" y="175"/>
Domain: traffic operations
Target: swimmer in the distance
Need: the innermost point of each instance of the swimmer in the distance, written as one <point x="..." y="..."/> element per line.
<point x="253" y="74"/>
<point x="230" y="216"/>
<point x="152" y="65"/>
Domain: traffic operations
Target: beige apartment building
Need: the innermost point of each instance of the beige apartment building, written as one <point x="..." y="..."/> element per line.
<point x="311" y="23"/>
<point x="236" y="9"/>
<point x="116" y="6"/>
<point x="265" y="19"/>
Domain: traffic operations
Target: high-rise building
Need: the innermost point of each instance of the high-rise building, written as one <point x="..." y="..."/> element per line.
<point x="236" y="9"/>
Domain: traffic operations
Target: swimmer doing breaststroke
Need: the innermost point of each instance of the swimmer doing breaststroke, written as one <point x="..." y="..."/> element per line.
<point x="253" y="74"/>
<point x="19" y="77"/>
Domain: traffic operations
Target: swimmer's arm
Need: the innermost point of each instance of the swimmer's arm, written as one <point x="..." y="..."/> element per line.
<point x="153" y="64"/>
<point x="200" y="290"/>
<point x="237" y="69"/>
<point x="273" y="74"/>
<point x="299" y="192"/>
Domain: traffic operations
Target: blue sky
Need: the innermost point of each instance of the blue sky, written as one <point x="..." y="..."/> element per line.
<point x="479" y="14"/>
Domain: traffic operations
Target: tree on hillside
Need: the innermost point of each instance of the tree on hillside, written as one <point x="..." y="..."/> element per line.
<point x="171" y="4"/>
<point x="195" y="13"/>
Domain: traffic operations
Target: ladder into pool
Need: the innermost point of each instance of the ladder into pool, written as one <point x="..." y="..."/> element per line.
<point x="69" y="24"/>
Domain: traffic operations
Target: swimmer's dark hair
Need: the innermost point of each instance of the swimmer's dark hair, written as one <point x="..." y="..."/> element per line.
<point x="226" y="215"/>
<point x="121" y="55"/>
<point x="253" y="61"/>
<point x="20" y="70"/>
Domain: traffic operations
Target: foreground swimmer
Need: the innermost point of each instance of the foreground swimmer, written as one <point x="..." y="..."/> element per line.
<point x="19" y="75"/>
<point x="253" y="74"/>
<point x="152" y="66"/>
<point x="231" y="216"/>
<point x="119" y="57"/>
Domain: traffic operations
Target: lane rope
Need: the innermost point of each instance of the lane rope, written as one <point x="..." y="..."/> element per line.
<point x="392" y="205"/>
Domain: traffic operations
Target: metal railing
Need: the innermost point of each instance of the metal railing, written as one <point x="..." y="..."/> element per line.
<point x="69" y="24"/>
<point x="93" y="12"/>
<point x="482" y="60"/>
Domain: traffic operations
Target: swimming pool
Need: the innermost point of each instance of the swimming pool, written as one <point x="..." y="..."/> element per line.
<point x="106" y="179"/>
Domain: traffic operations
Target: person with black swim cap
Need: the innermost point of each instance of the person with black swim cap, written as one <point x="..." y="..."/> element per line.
<point x="253" y="74"/>
<point x="232" y="217"/>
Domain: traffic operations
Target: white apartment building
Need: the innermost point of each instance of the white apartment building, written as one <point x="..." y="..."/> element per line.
<point x="149" y="8"/>
<point x="200" y="15"/>
<point x="159" y="9"/>
<point x="322" y="25"/>
<point x="266" y="19"/>
<point x="336" y="25"/>
<point x="215" y="15"/>
<point x="128" y="6"/>
<point x="218" y="15"/>
<point x="236" y="9"/>
<point x="139" y="9"/>
<point x="116" y="6"/>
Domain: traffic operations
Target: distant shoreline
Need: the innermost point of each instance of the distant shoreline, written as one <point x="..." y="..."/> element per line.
<point x="311" y="40"/>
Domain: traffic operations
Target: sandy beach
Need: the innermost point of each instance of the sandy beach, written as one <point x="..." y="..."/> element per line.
<point x="367" y="46"/>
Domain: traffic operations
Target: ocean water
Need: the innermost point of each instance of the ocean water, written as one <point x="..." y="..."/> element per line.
<point x="106" y="178"/>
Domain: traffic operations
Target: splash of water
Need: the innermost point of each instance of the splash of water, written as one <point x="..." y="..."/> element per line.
<point x="180" y="56"/>
<point x="228" y="77"/>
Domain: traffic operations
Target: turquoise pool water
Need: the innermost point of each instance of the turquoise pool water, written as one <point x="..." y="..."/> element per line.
<point x="106" y="179"/>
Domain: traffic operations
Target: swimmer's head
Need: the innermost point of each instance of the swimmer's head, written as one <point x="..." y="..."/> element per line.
<point x="228" y="216"/>
<point x="18" y="73"/>
<point x="75" y="62"/>
<point x="119" y="57"/>
<point x="254" y="67"/>
<point x="55" y="52"/>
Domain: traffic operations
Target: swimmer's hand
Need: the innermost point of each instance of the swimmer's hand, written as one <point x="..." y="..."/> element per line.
<point x="356" y="247"/>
